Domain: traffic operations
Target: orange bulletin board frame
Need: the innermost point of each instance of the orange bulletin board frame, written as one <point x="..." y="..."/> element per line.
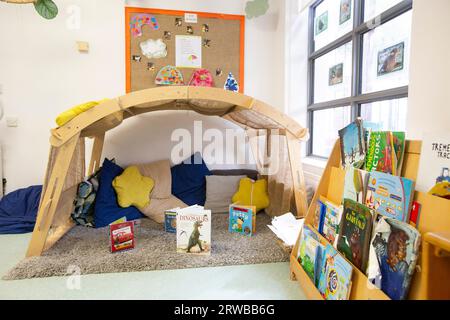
<point x="132" y="10"/>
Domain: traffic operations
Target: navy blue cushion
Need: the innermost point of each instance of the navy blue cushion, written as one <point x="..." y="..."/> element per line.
<point x="107" y="209"/>
<point x="188" y="180"/>
<point x="18" y="210"/>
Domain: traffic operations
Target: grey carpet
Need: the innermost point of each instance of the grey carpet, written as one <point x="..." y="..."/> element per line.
<point x="155" y="250"/>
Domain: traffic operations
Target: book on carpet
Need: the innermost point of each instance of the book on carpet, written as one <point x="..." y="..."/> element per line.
<point x="319" y="216"/>
<point x="331" y="221"/>
<point x="335" y="275"/>
<point x="434" y="165"/>
<point x="390" y="195"/>
<point x="194" y="230"/>
<point x="352" y="145"/>
<point x="170" y="220"/>
<point x="381" y="155"/>
<point x="242" y="219"/>
<point x="121" y="236"/>
<point x="355" y="184"/>
<point x="393" y="256"/>
<point x="355" y="233"/>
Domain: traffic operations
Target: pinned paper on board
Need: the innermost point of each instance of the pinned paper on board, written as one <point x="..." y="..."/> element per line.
<point x="178" y="22"/>
<point x="188" y="51"/>
<point x="140" y="20"/>
<point x="231" y="84"/>
<point x="153" y="49"/>
<point x="189" y="30"/>
<point x="169" y="76"/>
<point x="167" y="35"/>
<point x="202" y="78"/>
<point x="206" y="43"/>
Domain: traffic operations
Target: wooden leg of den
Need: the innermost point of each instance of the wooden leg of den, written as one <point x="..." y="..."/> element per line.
<point x="97" y="149"/>
<point x="51" y="197"/>
<point x="254" y="143"/>
<point x="298" y="178"/>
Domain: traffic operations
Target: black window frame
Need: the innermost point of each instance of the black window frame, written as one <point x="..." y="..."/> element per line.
<point x="355" y="36"/>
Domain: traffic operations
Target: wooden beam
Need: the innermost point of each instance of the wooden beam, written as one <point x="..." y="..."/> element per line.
<point x="52" y="194"/>
<point x="96" y="155"/>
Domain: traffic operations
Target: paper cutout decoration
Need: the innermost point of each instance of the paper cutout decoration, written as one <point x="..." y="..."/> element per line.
<point x="169" y="76"/>
<point x="205" y="28"/>
<point x="178" y="22"/>
<point x="153" y="48"/>
<point x="219" y="72"/>
<point x="256" y="8"/>
<point x="206" y="43"/>
<point x="167" y="35"/>
<point x="137" y="58"/>
<point x="201" y="78"/>
<point x="189" y="30"/>
<point x="231" y="83"/>
<point x="150" y="66"/>
<point x="138" y="21"/>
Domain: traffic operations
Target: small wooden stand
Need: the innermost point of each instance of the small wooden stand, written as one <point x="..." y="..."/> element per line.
<point x="434" y="217"/>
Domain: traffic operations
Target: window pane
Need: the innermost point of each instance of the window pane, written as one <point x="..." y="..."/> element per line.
<point x="386" y="55"/>
<point x="326" y="124"/>
<point x="333" y="19"/>
<point x="390" y="113"/>
<point x="333" y="74"/>
<point x="375" y="7"/>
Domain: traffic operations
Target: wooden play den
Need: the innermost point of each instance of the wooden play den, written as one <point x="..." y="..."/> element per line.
<point x="66" y="165"/>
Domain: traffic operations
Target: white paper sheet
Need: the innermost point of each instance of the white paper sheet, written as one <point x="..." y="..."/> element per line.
<point x="188" y="51"/>
<point x="287" y="228"/>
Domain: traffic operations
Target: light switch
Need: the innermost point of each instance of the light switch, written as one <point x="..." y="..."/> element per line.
<point x="83" y="46"/>
<point x="12" y="121"/>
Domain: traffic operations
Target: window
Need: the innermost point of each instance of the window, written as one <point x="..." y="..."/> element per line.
<point x="358" y="66"/>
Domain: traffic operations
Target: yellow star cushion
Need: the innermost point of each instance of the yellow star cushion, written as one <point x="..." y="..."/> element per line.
<point x="252" y="193"/>
<point x="133" y="189"/>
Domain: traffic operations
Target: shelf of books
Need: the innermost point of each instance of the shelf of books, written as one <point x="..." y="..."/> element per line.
<point x="347" y="266"/>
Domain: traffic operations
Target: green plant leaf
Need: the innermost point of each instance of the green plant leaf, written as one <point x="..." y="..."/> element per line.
<point x="46" y="8"/>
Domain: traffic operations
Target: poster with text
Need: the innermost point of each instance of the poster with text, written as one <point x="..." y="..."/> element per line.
<point x="188" y="51"/>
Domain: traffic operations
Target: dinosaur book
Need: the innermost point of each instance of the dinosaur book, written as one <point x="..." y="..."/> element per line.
<point x="194" y="230"/>
<point x="355" y="232"/>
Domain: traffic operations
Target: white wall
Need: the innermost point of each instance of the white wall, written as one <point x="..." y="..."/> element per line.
<point x="429" y="88"/>
<point x="42" y="74"/>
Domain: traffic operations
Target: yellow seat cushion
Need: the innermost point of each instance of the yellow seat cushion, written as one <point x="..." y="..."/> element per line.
<point x="252" y="193"/>
<point x="68" y="115"/>
<point x="133" y="189"/>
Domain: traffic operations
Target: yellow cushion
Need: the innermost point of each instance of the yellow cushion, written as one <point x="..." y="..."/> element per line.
<point x="68" y="115"/>
<point x="133" y="189"/>
<point x="252" y="193"/>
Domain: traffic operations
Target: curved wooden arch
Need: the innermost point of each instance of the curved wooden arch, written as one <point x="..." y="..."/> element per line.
<point x="64" y="171"/>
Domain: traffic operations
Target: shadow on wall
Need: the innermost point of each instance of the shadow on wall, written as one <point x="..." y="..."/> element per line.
<point x="147" y="138"/>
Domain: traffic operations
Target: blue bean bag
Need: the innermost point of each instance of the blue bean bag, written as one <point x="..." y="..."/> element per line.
<point x="107" y="209"/>
<point x="188" y="180"/>
<point x="18" y="210"/>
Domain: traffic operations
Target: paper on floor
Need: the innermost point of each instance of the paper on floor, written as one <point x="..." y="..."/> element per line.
<point x="287" y="228"/>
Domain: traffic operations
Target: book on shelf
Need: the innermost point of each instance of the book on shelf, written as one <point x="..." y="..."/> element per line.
<point x="308" y="252"/>
<point x="242" y="219"/>
<point x="434" y="164"/>
<point x="319" y="216"/>
<point x="355" y="184"/>
<point x="390" y="195"/>
<point x="399" y="143"/>
<point x="381" y="154"/>
<point x="335" y="275"/>
<point x="194" y="230"/>
<point x="393" y="256"/>
<point x="353" y="151"/>
<point x="355" y="233"/>
<point x="331" y="221"/>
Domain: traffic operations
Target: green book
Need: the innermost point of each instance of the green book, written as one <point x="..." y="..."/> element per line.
<point x="381" y="154"/>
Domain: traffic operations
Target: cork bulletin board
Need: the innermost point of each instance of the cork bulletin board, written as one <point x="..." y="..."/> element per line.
<point x="222" y="49"/>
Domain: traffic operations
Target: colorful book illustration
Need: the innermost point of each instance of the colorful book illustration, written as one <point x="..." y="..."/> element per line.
<point x="194" y="230"/>
<point x="355" y="184"/>
<point x="393" y="256"/>
<point x="390" y="195"/>
<point x="399" y="143"/>
<point x="352" y="145"/>
<point x="434" y="165"/>
<point x="319" y="216"/>
<point x="308" y="252"/>
<point x="355" y="232"/>
<point x="331" y="221"/>
<point x="381" y="155"/>
<point x="242" y="219"/>
<point x="335" y="275"/>
<point x="170" y="220"/>
<point x="121" y="236"/>
<point x="368" y="127"/>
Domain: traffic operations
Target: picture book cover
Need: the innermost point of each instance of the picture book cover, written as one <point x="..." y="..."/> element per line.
<point x="380" y="155"/>
<point x="121" y="236"/>
<point x="170" y="220"/>
<point x="319" y="215"/>
<point x="355" y="233"/>
<point x="355" y="184"/>
<point x="390" y="195"/>
<point x="434" y="165"/>
<point x="242" y="219"/>
<point x="368" y="127"/>
<point x="399" y="143"/>
<point x="194" y="230"/>
<point x="393" y="257"/>
<point x="352" y="145"/>
<point x="308" y="251"/>
<point x="335" y="275"/>
<point x="331" y="221"/>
